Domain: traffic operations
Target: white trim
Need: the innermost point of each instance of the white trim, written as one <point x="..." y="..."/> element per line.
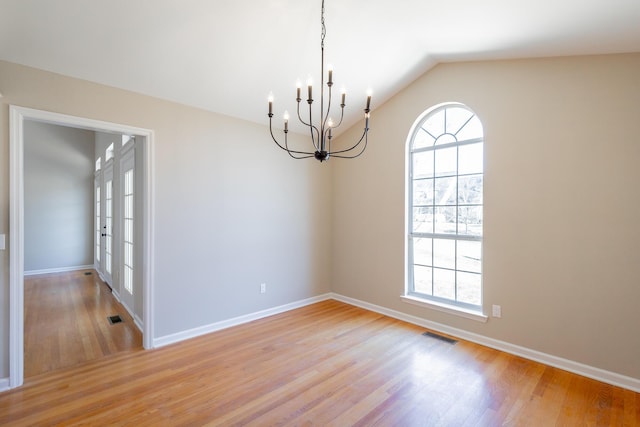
<point x="16" y="250"/>
<point x="136" y="319"/>
<point x="598" y="374"/>
<point x="4" y="384"/>
<point x="446" y="308"/>
<point x="235" y="321"/>
<point x="58" y="270"/>
<point x="138" y="322"/>
<point x="17" y="115"/>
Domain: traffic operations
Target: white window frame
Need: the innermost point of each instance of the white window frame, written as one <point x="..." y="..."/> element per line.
<point x="411" y="295"/>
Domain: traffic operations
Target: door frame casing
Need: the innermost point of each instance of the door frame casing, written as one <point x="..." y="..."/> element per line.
<point x="17" y="116"/>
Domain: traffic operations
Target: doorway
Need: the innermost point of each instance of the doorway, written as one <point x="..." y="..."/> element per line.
<point x="16" y="224"/>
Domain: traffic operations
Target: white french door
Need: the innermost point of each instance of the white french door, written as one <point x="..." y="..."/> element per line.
<point x="127" y="224"/>
<point x="97" y="221"/>
<point x="106" y="256"/>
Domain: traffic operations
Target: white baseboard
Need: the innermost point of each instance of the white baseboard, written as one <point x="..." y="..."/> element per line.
<point x="547" y="359"/>
<point x="4" y="384"/>
<point x="138" y="321"/>
<point x="224" y="324"/>
<point x="58" y="270"/>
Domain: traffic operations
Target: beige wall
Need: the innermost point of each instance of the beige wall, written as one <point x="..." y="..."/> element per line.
<point x="562" y="204"/>
<point x="231" y="210"/>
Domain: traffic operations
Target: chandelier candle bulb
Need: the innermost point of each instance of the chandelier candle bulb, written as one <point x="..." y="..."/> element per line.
<point x="270" y="99"/>
<point x="298" y="86"/>
<point x="330" y="68"/>
<point x="344" y="94"/>
<point x="286" y="121"/>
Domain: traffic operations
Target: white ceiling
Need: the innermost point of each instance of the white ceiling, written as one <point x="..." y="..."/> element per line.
<point x="227" y="55"/>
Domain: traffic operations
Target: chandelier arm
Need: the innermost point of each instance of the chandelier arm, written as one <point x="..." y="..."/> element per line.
<point x="362" y="138"/>
<point x="341" y="117"/>
<point x="305" y="154"/>
<point x="364" y="147"/>
<point x="300" y="117"/>
<point x="315" y="141"/>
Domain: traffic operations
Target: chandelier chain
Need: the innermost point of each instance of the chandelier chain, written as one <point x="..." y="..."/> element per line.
<point x="324" y="28"/>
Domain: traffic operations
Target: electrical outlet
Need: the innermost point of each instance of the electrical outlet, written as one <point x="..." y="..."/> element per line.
<point x="497" y="311"/>
<point x="263" y="288"/>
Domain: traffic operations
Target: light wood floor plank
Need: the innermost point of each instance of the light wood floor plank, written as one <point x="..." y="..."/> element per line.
<point x="324" y="364"/>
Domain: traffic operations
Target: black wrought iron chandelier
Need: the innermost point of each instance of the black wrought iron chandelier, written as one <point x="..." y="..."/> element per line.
<point x="321" y="133"/>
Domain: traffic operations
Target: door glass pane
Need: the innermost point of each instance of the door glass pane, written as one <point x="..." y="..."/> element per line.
<point x="108" y="245"/>
<point x="128" y="231"/>
<point x="98" y="227"/>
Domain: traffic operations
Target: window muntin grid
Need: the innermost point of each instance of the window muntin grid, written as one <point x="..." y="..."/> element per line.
<point x="445" y="207"/>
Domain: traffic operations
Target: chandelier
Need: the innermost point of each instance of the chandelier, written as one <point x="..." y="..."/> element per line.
<point x="321" y="132"/>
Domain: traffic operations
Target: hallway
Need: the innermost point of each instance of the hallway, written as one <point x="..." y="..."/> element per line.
<point x="66" y="322"/>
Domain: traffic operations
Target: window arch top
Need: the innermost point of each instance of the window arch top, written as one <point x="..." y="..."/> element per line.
<point x="446" y="124"/>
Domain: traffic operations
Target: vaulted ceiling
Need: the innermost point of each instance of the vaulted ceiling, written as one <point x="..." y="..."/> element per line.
<point x="227" y="55"/>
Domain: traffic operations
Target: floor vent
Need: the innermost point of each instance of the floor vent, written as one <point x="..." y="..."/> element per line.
<point x="440" y="337"/>
<point x="88" y="273"/>
<point x="115" y="319"/>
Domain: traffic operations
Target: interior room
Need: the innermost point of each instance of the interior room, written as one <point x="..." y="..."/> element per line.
<point x="235" y="241"/>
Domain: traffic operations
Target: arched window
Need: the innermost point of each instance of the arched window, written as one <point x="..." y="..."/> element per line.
<point x="445" y="183"/>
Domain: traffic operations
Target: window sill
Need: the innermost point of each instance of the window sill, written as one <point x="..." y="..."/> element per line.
<point x="446" y="308"/>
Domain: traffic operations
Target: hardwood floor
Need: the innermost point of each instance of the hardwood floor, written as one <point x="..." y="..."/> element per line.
<point x="66" y="322"/>
<point x="324" y="364"/>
